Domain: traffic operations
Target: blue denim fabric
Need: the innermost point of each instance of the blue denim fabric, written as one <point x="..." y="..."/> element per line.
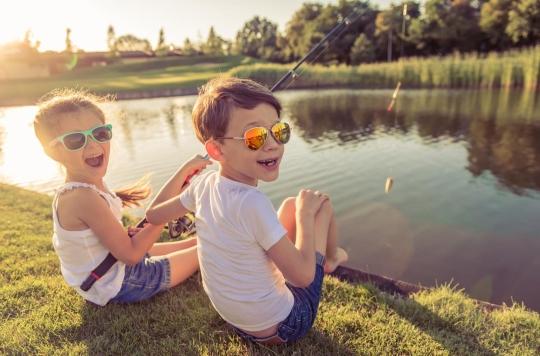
<point x="303" y="313"/>
<point x="144" y="280"/>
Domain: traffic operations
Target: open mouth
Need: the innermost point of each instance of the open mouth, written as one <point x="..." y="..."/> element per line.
<point x="95" y="162"/>
<point x="268" y="162"/>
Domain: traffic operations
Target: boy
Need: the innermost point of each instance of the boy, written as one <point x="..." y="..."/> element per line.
<point x="262" y="271"/>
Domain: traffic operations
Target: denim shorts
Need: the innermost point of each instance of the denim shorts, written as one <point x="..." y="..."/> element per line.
<point x="144" y="280"/>
<point x="303" y="313"/>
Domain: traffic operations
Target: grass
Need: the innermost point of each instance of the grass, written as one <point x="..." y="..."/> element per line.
<point x="40" y="315"/>
<point x="511" y="69"/>
<point x="158" y="74"/>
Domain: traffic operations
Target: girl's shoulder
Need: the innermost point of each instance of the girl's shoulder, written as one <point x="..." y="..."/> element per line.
<point x="81" y="194"/>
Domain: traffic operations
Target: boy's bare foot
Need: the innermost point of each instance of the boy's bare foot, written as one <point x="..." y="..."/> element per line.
<point x="333" y="262"/>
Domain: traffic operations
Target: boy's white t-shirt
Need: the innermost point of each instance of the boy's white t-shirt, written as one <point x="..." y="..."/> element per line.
<point x="236" y="224"/>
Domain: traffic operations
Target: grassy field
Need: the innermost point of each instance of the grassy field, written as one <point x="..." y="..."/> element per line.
<point x="40" y="315"/>
<point x="158" y="74"/>
<point x="512" y="69"/>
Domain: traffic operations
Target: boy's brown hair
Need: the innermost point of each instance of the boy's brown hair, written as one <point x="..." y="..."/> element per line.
<point x="212" y="109"/>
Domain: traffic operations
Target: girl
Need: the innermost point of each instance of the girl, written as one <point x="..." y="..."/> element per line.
<point x="87" y="215"/>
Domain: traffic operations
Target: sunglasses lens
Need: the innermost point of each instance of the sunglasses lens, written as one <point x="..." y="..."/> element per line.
<point x="255" y="137"/>
<point x="102" y="133"/>
<point x="282" y="132"/>
<point x="74" y="141"/>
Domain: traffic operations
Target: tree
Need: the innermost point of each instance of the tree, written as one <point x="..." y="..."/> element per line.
<point x="494" y="20"/>
<point x="447" y="26"/>
<point x="362" y="51"/>
<point x="313" y="21"/>
<point x="257" y="38"/>
<point x="161" y="47"/>
<point x="69" y="45"/>
<point x="391" y="30"/>
<point x="132" y="43"/>
<point x="214" y="44"/>
<point x="188" y="48"/>
<point x="111" y="41"/>
<point x="524" y="22"/>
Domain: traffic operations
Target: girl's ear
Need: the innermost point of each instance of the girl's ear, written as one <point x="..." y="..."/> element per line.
<point x="213" y="148"/>
<point x="52" y="152"/>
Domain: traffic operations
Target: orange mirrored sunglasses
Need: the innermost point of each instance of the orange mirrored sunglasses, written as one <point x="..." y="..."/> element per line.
<point x="255" y="137"/>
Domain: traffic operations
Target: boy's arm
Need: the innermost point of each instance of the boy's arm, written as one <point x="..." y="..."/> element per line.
<point x="297" y="263"/>
<point x="177" y="182"/>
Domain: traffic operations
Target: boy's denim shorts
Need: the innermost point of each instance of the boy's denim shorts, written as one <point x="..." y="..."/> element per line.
<point x="303" y="313"/>
<point x="144" y="280"/>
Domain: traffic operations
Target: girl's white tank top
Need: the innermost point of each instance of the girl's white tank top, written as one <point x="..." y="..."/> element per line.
<point x="81" y="251"/>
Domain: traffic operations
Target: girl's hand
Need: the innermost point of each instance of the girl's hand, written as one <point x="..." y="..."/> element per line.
<point x="194" y="166"/>
<point x="308" y="202"/>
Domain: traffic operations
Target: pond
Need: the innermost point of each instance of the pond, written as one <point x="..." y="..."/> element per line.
<point x="464" y="208"/>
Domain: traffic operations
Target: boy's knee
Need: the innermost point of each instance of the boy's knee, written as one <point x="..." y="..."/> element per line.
<point x="289" y="204"/>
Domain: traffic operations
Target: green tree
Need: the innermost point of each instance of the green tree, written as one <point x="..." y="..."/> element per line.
<point x="161" y="46"/>
<point x="524" y="22"/>
<point x="257" y="38"/>
<point x="391" y="30"/>
<point x="447" y="26"/>
<point x="362" y="51"/>
<point x="313" y="21"/>
<point x="188" y="49"/>
<point x="132" y="43"/>
<point x="69" y="44"/>
<point x="111" y="41"/>
<point x="494" y="20"/>
<point x="214" y="44"/>
<point x="299" y="30"/>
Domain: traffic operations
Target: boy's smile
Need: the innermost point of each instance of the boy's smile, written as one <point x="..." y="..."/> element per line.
<point x="243" y="164"/>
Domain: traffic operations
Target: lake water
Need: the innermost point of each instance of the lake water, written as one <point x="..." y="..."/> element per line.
<point x="465" y="206"/>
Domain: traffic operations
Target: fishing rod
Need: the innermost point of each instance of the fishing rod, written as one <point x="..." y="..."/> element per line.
<point x="336" y="32"/>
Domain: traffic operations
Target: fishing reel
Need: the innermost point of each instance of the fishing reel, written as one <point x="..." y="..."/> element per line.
<point x="181" y="227"/>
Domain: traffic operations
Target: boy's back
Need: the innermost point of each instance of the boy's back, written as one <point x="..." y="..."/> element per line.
<point x="236" y="224"/>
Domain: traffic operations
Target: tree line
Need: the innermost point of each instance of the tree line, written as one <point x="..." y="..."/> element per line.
<point x="408" y="28"/>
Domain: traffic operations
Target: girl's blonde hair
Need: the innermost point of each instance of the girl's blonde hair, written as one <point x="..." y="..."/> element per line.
<point x="54" y="106"/>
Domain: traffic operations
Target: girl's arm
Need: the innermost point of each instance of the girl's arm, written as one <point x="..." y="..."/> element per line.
<point x="166" y="211"/>
<point x="297" y="263"/>
<point x="95" y="213"/>
<point x="176" y="184"/>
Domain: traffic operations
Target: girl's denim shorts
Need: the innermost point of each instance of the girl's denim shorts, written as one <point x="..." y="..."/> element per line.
<point x="303" y="313"/>
<point x="144" y="280"/>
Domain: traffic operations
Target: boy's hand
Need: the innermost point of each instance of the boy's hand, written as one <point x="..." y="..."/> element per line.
<point x="132" y="230"/>
<point x="308" y="202"/>
<point x="195" y="165"/>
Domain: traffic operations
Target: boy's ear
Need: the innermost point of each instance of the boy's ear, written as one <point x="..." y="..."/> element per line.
<point x="213" y="148"/>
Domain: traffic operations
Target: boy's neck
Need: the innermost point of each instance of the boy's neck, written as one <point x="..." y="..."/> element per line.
<point x="237" y="176"/>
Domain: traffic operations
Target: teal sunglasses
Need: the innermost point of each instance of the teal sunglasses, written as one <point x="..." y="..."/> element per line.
<point x="76" y="140"/>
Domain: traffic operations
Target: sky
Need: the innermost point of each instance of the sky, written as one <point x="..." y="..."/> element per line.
<point x="89" y="19"/>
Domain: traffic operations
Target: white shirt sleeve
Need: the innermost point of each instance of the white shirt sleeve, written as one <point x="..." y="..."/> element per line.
<point x="260" y="219"/>
<point x="188" y="196"/>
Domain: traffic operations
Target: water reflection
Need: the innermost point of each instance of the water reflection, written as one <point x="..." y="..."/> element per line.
<point x="501" y="130"/>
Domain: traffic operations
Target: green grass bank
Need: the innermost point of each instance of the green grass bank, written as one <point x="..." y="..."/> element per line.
<point x="39" y="314"/>
<point x="181" y="76"/>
